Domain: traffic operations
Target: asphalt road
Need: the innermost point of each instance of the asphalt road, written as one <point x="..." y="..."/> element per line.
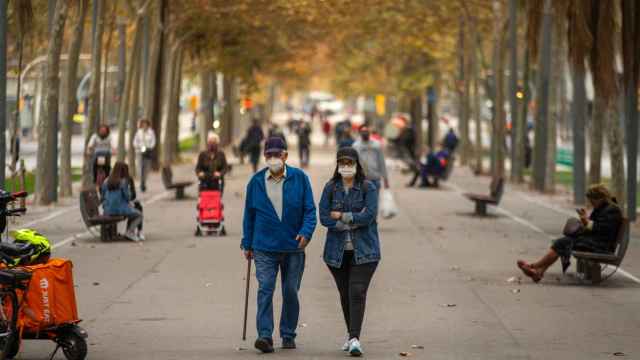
<point x="442" y="284"/>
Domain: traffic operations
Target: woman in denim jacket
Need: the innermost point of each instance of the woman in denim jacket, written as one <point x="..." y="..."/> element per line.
<point x="348" y="208"/>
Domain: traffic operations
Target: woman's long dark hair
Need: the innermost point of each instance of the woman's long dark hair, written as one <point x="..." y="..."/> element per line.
<point x="120" y="172"/>
<point x="359" y="178"/>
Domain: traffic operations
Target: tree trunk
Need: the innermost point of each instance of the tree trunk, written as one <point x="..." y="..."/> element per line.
<point x="579" y="114"/>
<point x="516" y="156"/>
<point x="556" y="110"/>
<point x="416" y="116"/>
<point x="615" y="140"/>
<point x="271" y="101"/>
<point x="168" y="118"/>
<point x="133" y="117"/>
<point x="205" y="118"/>
<point x="477" y="110"/>
<point x="542" y="110"/>
<point x="522" y="131"/>
<point x="70" y="103"/>
<point x="125" y="97"/>
<point x="175" y="135"/>
<point x="227" y="113"/>
<point x="596" y="139"/>
<point x="46" y="174"/>
<point x="92" y="121"/>
<point x="498" y="138"/>
<point x="463" y="91"/>
<point x="161" y="68"/>
<point x="631" y="60"/>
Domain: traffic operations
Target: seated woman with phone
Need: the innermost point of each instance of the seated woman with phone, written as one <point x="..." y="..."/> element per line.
<point x="594" y="233"/>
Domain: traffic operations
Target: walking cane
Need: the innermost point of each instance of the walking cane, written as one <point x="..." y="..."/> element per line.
<point x="246" y="301"/>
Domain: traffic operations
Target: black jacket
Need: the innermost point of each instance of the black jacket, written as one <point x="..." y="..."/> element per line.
<point x="606" y="222"/>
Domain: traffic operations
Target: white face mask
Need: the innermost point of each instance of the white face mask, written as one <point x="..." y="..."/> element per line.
<point x="275" y="164"/>
<point x="347" y="171"/>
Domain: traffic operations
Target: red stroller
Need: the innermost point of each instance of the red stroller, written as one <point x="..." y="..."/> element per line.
<point x="210" y="213"/>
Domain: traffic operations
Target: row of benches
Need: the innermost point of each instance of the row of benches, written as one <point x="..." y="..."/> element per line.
<point x="108" y="224"/>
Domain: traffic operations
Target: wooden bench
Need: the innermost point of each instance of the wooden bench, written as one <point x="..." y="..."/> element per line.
<point x="589" y="264"/>
<point x="167" y="180"/>
<point x="496" y="190"/>
<point x="90" y="211"/>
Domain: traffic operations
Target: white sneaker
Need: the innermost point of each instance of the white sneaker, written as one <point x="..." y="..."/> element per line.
<point x="345" y="347"/>
<point x="141" y="236"/>
<point x="355" y="349"/>
<point x="132" y="236"/>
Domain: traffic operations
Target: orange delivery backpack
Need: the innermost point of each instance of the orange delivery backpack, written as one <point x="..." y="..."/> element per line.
<point x="50" y="299"/>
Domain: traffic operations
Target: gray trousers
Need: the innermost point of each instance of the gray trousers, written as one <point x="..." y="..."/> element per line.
<point x="144" y="166"/>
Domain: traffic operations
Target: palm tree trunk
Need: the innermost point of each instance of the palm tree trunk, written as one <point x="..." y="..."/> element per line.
<point x="94" y="93"/>
<point x="69" y="106"/>
<point x="46" y="173"/>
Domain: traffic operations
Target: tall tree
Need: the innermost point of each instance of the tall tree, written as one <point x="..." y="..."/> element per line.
<point x="205" y="117"/>
<point x="463" y="91"/>
<point x="631" y="61"/>
<point x="94" y="92"/>
<point x="70" y="104"/>
<point x="516" y="147"/>
<point x="46" y="172"/>
<point x="542" y="109"/>
<point x="498" y="138"/>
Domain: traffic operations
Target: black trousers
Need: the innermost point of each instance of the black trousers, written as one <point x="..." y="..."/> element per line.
<point x="353" y="282"/>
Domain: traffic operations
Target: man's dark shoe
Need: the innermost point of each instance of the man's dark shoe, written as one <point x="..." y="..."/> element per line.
<point x="265" y="345"/>
<point x="288" y="343"/>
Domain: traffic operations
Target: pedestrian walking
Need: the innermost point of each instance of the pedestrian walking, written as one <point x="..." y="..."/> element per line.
<point x="372" y="159"/>
<point x="212" y="165"/>
<point x="100" y="149"/>
<point x="253" y="143"/>
<point x="348" y="208"/>
<point x="144" y="142"/>
<point x="117" y="200"/>
<point x="450" y="141"/>
<point x="304" y="143"/>
<point x="279" y="220"/>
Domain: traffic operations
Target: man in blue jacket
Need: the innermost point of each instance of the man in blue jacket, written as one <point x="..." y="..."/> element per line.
<point x="279" y="220"/>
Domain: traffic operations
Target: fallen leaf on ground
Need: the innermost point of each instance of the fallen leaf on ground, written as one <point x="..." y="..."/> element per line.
<point x="240" y="349"/>
<point x="405" y="354"/>
<point x="417" y="347"/>
<point x="515" y="291"/>
<point x="73" y="243"/>
<point x="514" y="279"/>
<point x="619" y="354"/>
<point x="208" y="285"/>
<point x="448" y="305"/>
<point x="96" y="283"/>
<point x="454" y="268"/>
<point x="440" y="228"/>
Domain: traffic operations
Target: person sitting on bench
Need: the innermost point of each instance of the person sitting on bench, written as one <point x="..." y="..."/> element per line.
<point x="117" y="197"/>
<point x="212" y="165"/>
<point x="435" y="165"/>
<point x="598" y="233"/>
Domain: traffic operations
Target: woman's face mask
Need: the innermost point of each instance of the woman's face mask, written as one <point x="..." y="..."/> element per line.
<point x="347" y="171"/>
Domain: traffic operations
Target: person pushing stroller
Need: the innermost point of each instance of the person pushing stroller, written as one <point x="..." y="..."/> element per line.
<point x="212" y="165"/>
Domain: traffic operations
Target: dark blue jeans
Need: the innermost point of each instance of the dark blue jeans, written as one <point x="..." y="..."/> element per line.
<point x="291" y="266"/>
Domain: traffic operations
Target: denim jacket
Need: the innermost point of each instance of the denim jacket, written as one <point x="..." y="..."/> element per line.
<point x="360" y="209"/>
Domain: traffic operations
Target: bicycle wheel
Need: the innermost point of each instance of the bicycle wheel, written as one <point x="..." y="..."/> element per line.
<point x="8" y="320"/>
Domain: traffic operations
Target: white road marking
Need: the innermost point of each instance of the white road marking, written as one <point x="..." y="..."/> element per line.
<point x="533" y="227"/>
<point x="50" y="216"/>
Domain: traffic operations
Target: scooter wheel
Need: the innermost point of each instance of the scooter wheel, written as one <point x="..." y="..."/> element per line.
<point x="198" y="231"/>
<point x="223" y="231"/>
<point x="14" y="347"/>
<point x="73" y="345"/>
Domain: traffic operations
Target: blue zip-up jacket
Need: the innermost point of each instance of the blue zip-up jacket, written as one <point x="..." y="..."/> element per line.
<point x="262" y="229"/>
<point x="361" y="209"/>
